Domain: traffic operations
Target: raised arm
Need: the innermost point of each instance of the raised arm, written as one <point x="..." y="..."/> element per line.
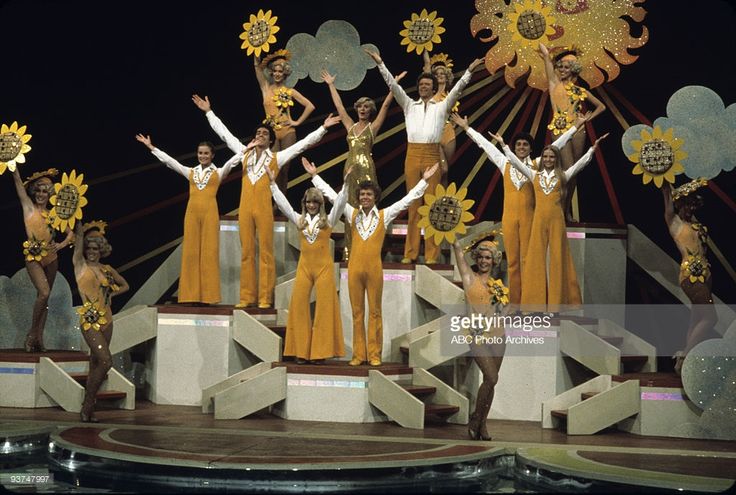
<point x="584" y="160"/>
<point x="303" y="101"/>
<point x="381" y="117"/>
<point x="220" y="129"/>
<point x="25" y="201"/>
<point x="549" y="68"/>
<point x="466" y="273"/>
<point x="314" y="137"/>
<point x="401" y="97"/>
<point x="280" y="199"/>
<point x="416" y="192"/>
<point x="163" y="157"/>
<point x="518" y="164"/>
<point x="669" y="207"/>
<point x="329" y="79"/>
<point x="426" y="65"/>
<point x="78" y="256"/>
<point x="233" y="162"/>
<point x="494" y="154"/>
<point x="260" y="76"/>
<point x="457" y="89"/>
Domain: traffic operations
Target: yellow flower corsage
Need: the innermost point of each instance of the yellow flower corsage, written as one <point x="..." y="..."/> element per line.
<point x="272" y="122"/>
<point x="35" y="250"/>
<point x="561" y="122"/>
<point x="696" y="268"/>
<point x="576" y="93"/>
<point x="91" y="316"/>
<point x="283" y="98"/>
<point x="499" y="292"/>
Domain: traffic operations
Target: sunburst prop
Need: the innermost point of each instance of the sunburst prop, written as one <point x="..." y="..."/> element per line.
<point x="35" y="250"/>
<point x="598" y="28"/>
<point x="657" y="156"/>
<point x="422" y="31"/>
<point x="68" y="201"/>
<point x="259" y="33"/>
<point x="444" y="213"/>
<point x="499" y="292"/>
<point x="283" y="99"/>
<point x="13" y="146"/>
<point x="91" y="316"/>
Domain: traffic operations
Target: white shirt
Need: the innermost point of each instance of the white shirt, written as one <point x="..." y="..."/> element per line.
<point x="548" y="178"/>
<point x="499" y="159"/>
<point x="424" y="121"/>
<point x="312" y="230"/>
<point x="201" y="174"/>
<point x="255" y="166"/>
<point x="369" y="220"/>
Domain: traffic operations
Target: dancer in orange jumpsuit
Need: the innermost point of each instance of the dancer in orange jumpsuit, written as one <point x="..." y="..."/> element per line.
<point x="308" y="340"/>
<point x="425" y="121"/>
<point x="199" y="281"/>
<point x="255" y="214"/>
<point x="365" y="268"/>
<point x="40" y="250"/>
<point x="540" y="292"/>
<point x="97" y="284"/>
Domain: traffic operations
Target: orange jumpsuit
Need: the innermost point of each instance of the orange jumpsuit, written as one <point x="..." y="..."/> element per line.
<point x="255" y="211"/>
<point x="560" y="286"/>
<point x="322" y="338"/>
<point x="199" y="280"/>
<point x="39" y="229"/>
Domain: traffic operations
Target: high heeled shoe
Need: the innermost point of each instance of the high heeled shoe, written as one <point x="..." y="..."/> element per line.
<point x="679" y="358"/>
<point x="87" y="414"/>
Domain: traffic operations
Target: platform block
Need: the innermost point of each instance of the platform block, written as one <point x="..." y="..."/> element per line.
<point x="20" y="383"/>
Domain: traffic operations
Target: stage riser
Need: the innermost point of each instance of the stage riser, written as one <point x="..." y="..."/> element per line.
<point x="664" y="413"/>
<point x="21" y="385"/>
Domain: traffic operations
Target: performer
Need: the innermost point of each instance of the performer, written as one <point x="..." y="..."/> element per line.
<point x="691" y="238"/>
<point x="479" y="288"/>
<point x="97" y="284"/>
<point x="307" y="340"/>
<point x="41" y="251"/>
<point x="278" y="99"/>
<point x="255" y="212"/>
<point x="365" y="268"/>
<point x="360" y="136"/>
<point x="548" y="232"/>
<point x="425" y="119"/>
<point x="440" y="65"/>
<point x="518" y="196"/>
<point x="199" y="281"/>
<point x="567" y="100"/>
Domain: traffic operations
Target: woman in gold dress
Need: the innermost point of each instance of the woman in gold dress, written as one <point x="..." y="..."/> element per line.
<point x="360" y="136"/>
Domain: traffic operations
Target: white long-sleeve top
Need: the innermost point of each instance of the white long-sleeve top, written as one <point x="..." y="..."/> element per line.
<point x="311" y="230"/>
<point x="255" y="166"/>
<point x="498" y="158"/>
<point x="547" y="177"/>
<point x="424" y="121"/>
<point x="201" y="175"/>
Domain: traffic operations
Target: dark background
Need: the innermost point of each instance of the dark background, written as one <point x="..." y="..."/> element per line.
<point x="86" y="76"/>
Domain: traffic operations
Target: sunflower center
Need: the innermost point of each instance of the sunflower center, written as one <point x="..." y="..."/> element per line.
<point x="10" y="144"/>
<point x="656" y="156"/>
<point x="258" y="33"/>
<point x="445" y="213"/>
<point x="421" y="31"/>
<point x="67" y="201"/>
<point x="561" y="122"/>
<point x="531" y="24"/>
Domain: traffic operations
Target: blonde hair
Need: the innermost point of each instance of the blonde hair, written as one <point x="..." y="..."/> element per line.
<point x="364" y="100"/>
<point x="313" y="194"/>
<point x="94" y="237"/>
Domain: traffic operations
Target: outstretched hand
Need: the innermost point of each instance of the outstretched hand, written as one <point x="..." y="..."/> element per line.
<point x="460" y="121"/>
<point x="145" y="140"/>
<point x="310" y="167"/>
<point x="330" y="121"/>
<point x="595" y="145"/>
<point x="497" y="137"/>
<point x="543" y="50"/>
<point x="400" y="76"/>
<point x="327" y="77"/>
<point x="347" y="173"/>
<point x="582" y="120"/>
<point x="203" y="105"/>
<point x="430" y="171"/>
<point x="475" y="63"/>
<point x="374" y="55"/>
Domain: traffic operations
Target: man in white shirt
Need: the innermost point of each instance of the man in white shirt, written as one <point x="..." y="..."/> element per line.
<point x="425" y="120"/>
<point x="365" y="267"/>
<point x="255" y="212"/>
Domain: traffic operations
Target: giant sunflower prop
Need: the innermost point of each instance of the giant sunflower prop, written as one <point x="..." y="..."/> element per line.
<point x="91" y="316"/>
<point x="68" y="201"/>
<point x="599" y="28"/>
<point x="444" y="213"/>
<point x="13" y="146"/>
<point x="259" y="33"/>
<point x="657" y="156"/>
<point x="421" y="31"/>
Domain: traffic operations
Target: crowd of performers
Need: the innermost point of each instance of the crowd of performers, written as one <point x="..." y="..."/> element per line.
<point x="534" y="210"/>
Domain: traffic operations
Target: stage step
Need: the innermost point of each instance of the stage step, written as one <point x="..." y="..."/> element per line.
<point x="633" y="363"/>
<point x="660" y="379"/>
<point x="110" y="395"/>
<point x="442" y="410"/>
<point x="419" y="391"/>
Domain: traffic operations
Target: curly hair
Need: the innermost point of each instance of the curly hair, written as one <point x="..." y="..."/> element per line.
<point x="364" y="100"/>
<point x="94" y="237"/>
<point x="286" y="66"/>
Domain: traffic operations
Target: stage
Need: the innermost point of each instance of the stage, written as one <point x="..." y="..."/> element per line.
<point x="165" y="448"/>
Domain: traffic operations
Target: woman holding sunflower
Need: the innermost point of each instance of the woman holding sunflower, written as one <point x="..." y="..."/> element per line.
<point x="40" y="250"/>
<point x="484" y="294"/>
<point x="97" y="284"/>
<point x="691" y="238"/>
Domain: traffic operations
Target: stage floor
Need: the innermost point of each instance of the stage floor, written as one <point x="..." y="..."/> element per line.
<point x="149" y="444"/>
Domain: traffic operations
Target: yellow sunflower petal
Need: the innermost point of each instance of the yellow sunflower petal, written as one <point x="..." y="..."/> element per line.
<point x="439" y="236"/>
<point x="636" y="145"/>
<point x="450" y="236"/>
<point x="466" y="216"/>
<point x="645" y="135"/>
<point x="657" y="133"/>
<point x="451" y="189"/>
<point x="637" y="170"/>
<point x="423" y="210"/>
<point x="646" y="178"/>
<point x="467" y="203"/>
<point x="658" y="179"/>
<point x="430" y="198"/>
<point x="460" y="196"/>
<point x="4" y="129"/>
